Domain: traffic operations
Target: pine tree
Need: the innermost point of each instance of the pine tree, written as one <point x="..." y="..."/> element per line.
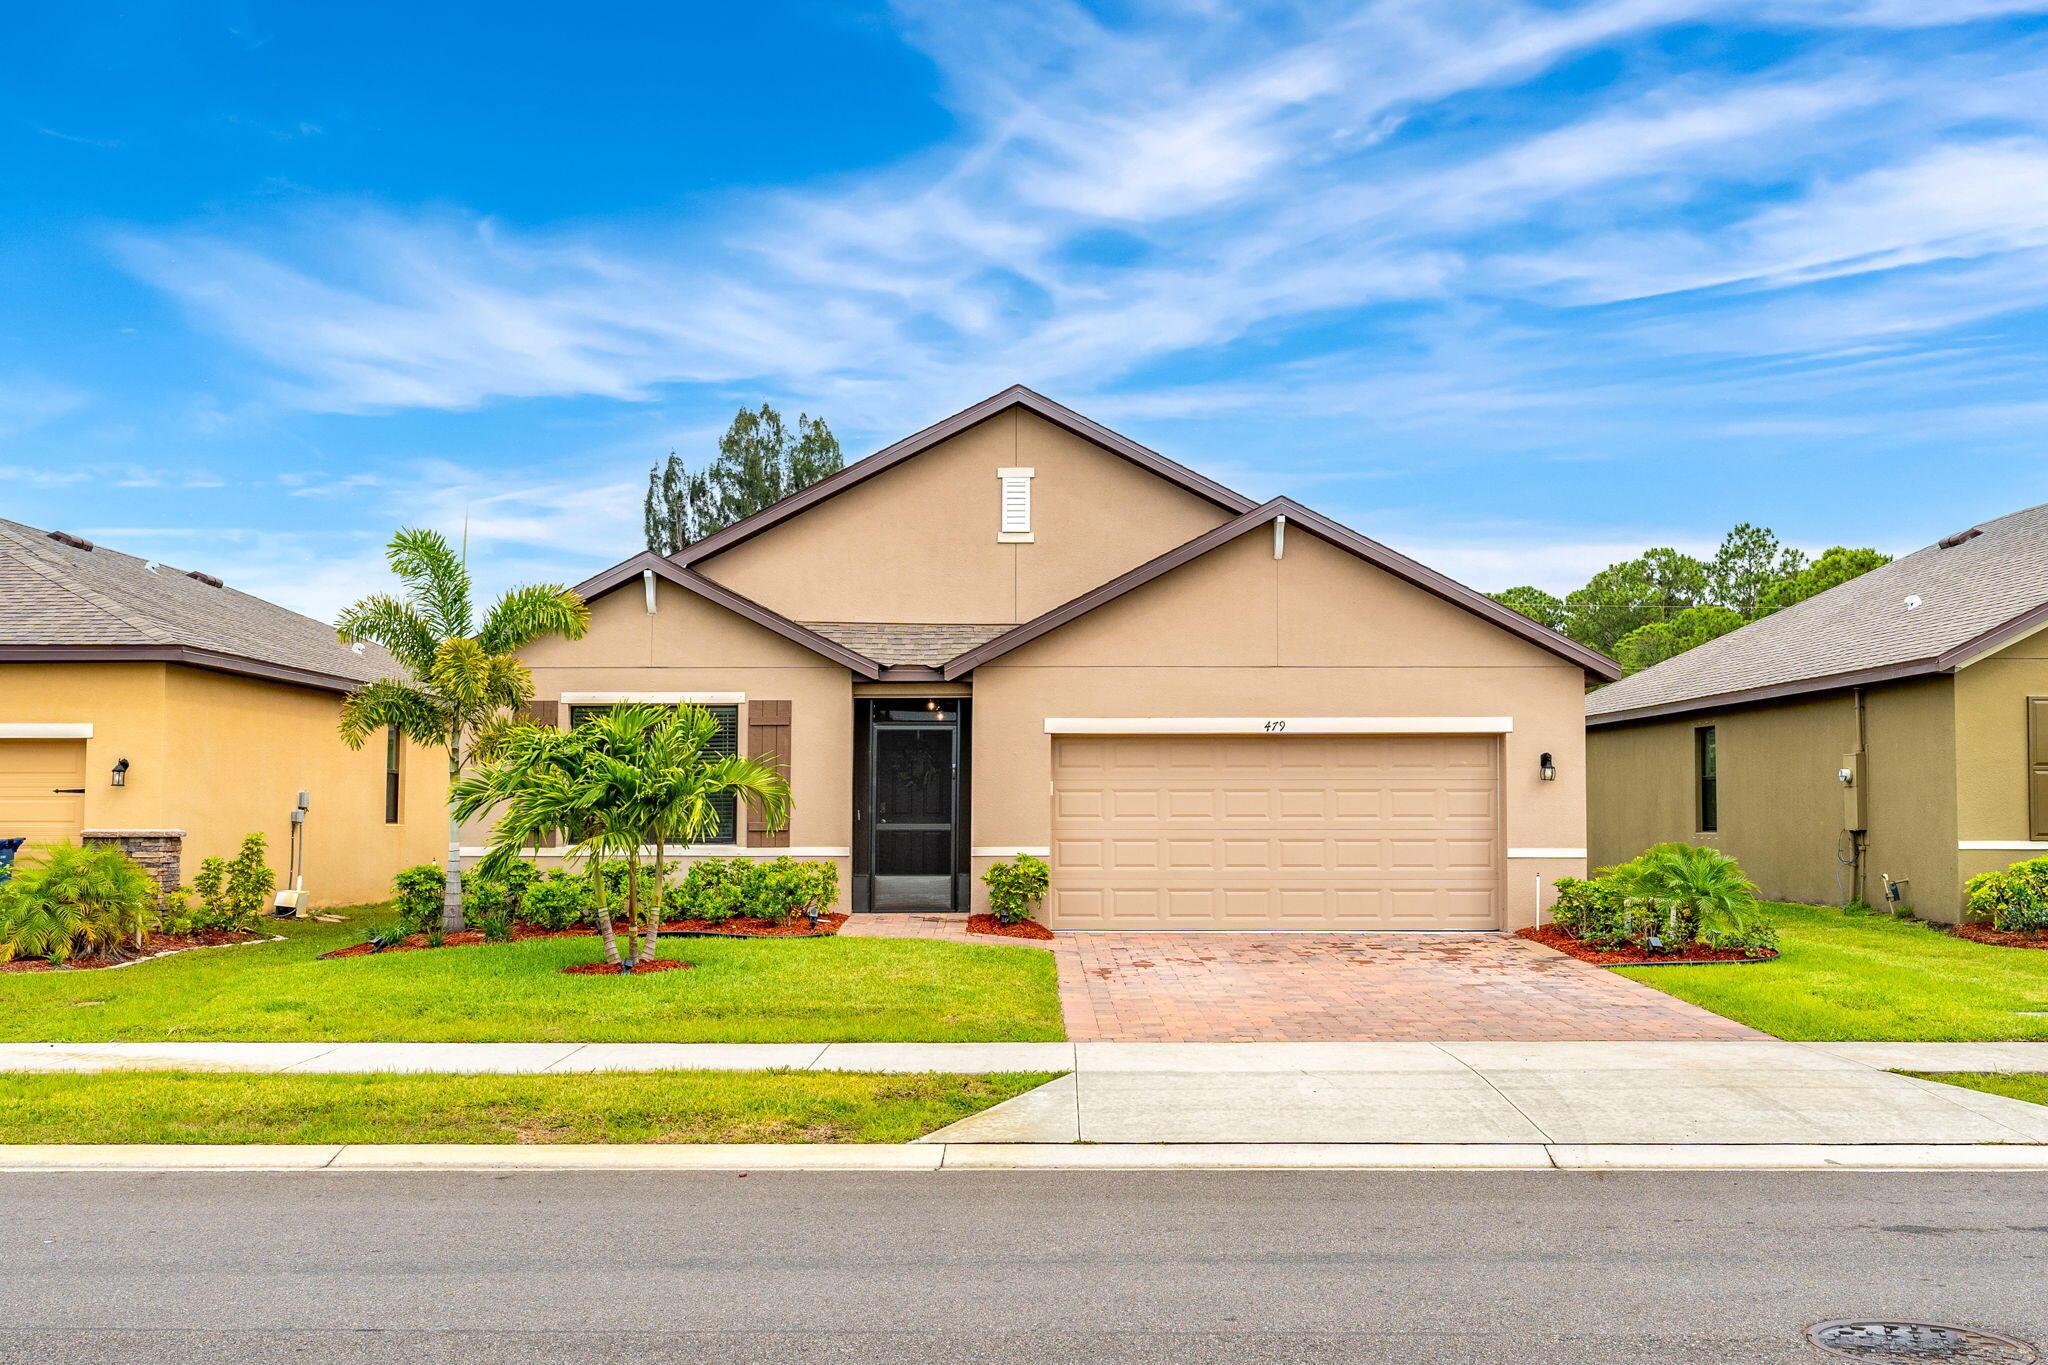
<point x="760" y="461"/>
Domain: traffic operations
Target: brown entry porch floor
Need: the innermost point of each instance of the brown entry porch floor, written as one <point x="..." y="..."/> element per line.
<point x="1338" y="987"/>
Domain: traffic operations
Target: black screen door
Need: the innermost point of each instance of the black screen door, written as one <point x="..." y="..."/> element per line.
<point x="915" y="771"/>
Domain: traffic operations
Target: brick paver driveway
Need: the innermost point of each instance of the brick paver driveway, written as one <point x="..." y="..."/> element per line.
<point x="1216" y="988"/>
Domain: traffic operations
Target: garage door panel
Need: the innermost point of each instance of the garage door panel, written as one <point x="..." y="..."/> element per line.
<point x="1284" y="832"/>
<point x="38" y="800"/>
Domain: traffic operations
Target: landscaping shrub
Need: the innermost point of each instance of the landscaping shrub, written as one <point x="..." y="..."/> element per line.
<point x="1015" y="888"/>
<point x="2015" y="899"/>
<point x="713" y="891"/>
<point x="487" y="904"/>
<point x="74" y="900"/>
<point x="559" y="900"/>
<point x="1664" y="898"/>
<point x="251" y="884"/>
<point x="418" y="893"/>
<point x="784" y="888"/>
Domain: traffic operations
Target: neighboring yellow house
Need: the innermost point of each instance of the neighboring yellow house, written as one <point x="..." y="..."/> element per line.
<point x="159" y="710"/>
<point x="1889" y="732"/>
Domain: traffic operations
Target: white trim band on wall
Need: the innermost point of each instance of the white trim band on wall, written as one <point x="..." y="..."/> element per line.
<point x="653" y="698"/>
<point x="1279" y="725"/>
<point x="1010" y="852"/>
<point x="688" y="851"/>
<point x="1997" y="845"/>
<point x="1546" y="853"/>
<point x="40" y="730"/>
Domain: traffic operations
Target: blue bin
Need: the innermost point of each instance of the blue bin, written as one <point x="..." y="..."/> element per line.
<point x="8" y="848"/>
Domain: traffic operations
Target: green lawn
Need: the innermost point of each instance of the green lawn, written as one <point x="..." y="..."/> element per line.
<point x="683" y="1106"/>
<point x="2033" y="1089"/>
<point x="742" y="991"/>
<point x="1851" y="977"/>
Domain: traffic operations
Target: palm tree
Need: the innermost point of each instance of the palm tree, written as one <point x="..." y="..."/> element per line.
<point x="463" y="677"/>
<point x="629" y="781"/>
<point x="1695" y="888"/>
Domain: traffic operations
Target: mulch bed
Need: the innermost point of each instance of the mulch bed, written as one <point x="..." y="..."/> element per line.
<point x="989" y="924"/>
<point x="159" y="945"/>
<point x="1998" y="938"/>
<point x="659" y="964"/>
<point x="738" y="927"/>
<point x="1694" y="954"/>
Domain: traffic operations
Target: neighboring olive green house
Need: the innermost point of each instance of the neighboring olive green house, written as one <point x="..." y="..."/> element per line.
<point x="1892" y="729"/>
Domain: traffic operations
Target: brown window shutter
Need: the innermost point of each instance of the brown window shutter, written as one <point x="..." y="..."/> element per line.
<point x="539" y="712"/>
<point x="2037" y="768"/>
<point x="767" y="737"/>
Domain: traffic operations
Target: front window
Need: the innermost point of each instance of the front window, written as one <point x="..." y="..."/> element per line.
<point x="724" y="743"/>
<point x="1707" y="765"/>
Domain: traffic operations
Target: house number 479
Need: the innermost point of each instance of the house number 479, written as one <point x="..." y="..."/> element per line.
<point x="1274" y="727"/>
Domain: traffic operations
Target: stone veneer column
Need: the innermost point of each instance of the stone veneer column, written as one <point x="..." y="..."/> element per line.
<point x="159" y="850"/>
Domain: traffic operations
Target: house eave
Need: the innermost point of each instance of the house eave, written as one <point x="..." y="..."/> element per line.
<point x="210" y="659"/>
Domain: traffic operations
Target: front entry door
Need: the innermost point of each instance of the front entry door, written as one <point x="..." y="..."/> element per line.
<point x="911" y="806"/>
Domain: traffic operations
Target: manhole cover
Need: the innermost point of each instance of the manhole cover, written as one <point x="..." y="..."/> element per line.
<point x="1910" y="1343"/>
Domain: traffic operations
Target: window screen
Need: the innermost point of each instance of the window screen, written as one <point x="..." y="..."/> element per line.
<point x="725" y="741"/>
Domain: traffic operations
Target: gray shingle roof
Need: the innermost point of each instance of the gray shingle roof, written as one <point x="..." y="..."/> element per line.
<point x="1927" y="612"/>
<point x="56" y="594"/>
<point x="929" y="645"/>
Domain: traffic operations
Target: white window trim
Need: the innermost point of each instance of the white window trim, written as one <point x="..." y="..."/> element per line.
<point x="40" y="730"/>
<point x="687" y="851"/>
<point x="1006" y="534"/>
<point x="653" y="698"/>
<point x="1290" y="725"/>
<point x="1997" y="845"/>
<point x="1546" y="853"/>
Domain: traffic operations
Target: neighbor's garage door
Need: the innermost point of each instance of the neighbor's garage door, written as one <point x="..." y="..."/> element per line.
<point x="41" y="789"/>
<point x="1275" y="832"/>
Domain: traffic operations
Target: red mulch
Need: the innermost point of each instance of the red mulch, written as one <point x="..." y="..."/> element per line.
<point x="2001" y="938"/>
<point x="738" y="927"/>
<point x="989" y="924"/>
<point x="158" y="944"/>
<point x="1550" y="936"/>
<point x="659" y="964"/>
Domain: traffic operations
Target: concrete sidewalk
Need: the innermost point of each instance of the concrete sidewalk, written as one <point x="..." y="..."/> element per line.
<point x="1163" y="1058"/>
<point x="934" y="1157"/>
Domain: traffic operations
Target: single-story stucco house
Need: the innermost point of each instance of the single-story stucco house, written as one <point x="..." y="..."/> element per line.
<point x="1893" y="729"/>
<point x="160" y="710"/>
<point x="1019" y="632"/>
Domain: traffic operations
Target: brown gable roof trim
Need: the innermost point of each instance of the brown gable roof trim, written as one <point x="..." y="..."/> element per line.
<point x="690" y="580"/>
<point x="1016" y="396"/>
<point x="211" y="659"/>
<point x="1320" y="526"/>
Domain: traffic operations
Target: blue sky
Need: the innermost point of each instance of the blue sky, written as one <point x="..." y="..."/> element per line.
<point x="1516" y="286"/>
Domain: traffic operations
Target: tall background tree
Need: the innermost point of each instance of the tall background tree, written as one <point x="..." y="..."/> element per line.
<point x="462" y="678"/>
<point x="1663" y="602"/>
<point x="760" y="460"/>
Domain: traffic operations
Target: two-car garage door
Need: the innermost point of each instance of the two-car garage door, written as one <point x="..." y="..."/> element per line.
<point x="1275" y="832"/>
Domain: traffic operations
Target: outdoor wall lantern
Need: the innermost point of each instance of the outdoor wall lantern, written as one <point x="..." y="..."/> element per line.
<point x="1545" y="769"/>
<point x="121" y="773"/>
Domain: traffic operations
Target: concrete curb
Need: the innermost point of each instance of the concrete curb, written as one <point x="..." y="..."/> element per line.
<point x="750" y="1157"/>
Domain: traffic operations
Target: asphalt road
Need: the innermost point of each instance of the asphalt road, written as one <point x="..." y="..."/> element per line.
<point x="1252" y="1268"/>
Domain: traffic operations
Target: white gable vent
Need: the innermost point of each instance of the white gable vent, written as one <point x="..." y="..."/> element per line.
<point x="1014" y="520"/>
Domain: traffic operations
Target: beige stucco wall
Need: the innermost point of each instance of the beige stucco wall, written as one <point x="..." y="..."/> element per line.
<point x="1991" y="750"/>
<point x="1781" y="804"/>
<point x="1316" y="633"/>
<point x="221" y="756"/>
<point x="689" y="645"/>
<point x="243" y="749"/>
<point x="918" y="543"/>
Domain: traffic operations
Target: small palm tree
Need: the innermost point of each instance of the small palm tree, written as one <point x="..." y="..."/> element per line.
<point x="463" y="678"/>
<point x="624" y="784"/>
<point x="1693" y="886"/>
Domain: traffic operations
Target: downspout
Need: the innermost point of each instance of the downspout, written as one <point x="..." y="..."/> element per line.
<point x="1858" y="838"/>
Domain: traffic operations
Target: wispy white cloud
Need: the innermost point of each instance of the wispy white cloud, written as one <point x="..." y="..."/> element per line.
<point x="1349" y="209"/>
